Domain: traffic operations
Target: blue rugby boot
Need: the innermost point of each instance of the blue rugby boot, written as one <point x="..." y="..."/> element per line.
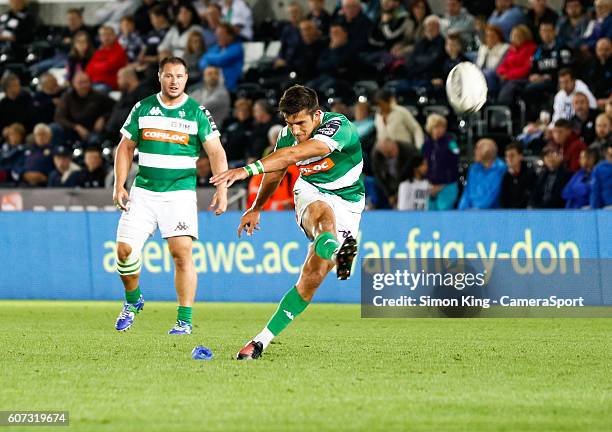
<point x="181" y="327"/>
<point x="127" y="314"/>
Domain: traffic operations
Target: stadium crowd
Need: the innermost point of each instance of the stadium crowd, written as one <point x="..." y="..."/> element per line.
<point x="383" y="63"/>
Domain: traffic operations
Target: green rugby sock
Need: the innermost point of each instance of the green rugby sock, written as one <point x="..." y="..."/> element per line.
<point x="289" y="307"/>
<point x="184" y="314"/>
<point x="132" y="296"/>
<point x="325" y="245"/>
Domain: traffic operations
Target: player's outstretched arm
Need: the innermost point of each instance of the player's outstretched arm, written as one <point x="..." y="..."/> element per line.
<point x="275" y="161"/>
<point x="218" y="164"/>
<point x="123" y="162"/>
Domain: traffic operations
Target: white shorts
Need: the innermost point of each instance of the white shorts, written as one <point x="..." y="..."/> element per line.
<point x="175" y="213"/>
<point x="348" y="214"/>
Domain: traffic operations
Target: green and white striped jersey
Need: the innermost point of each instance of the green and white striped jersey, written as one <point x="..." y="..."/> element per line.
<point x="169" y="140"/>
<point x="338" y="172"/>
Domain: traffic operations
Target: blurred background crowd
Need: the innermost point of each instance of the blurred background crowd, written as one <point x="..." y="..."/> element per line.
<point x="543" y="140"/>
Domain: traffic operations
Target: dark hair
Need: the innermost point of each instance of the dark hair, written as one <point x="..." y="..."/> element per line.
<point x="172" y="60"/>
<point x="411" y="167"/>
<point x="547" y="22"/>
<point x="567" y="71"/>
<point x="514" y="145"/>
<point x="592" y="153"/>
<point x="158" y="10"/>
<point x="564" y="123"/>
<point x="265" y="105"/>
<point x="228" y="28"/>
<point x="384" y="95"/>
<point x="76" y="11"/>
<point x="298" y="98"/>
<point x="128" y="18"/>
<point x="456" y="38"/>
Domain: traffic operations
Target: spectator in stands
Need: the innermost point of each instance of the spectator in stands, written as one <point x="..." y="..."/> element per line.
<point x="457" y="20"/>
<point x="569" y="143"/>
<point x="390" y="27"/>
<point x="17" y="26"/>
<point x="311" y="47"/>
<point x="584" y="117"/>
<point x="194" y="50"/>
<point x="538" y="13"/>
<point x="427" y="57"/>
<point x="599" y="27"/>
<point x="132" y="91"/>
<point x="442" y="154"/>
<point x="551" y="180"/>
<point x="80" y="54"/>
<point x="418" y="10"/>
<point x="263" y="120"/>
<point x="319" y="15"/>
<point x="413" y="191"/>
<point x="366" y="129"/>
<point x="577" y="191"/>
<point x="356" y="23"/>
<point x="227" y="55"/>
<point x="238" y="14"/>
<point x="282" y="198"/>
<point x="16" y="106"/>
<point x="74" y="24"/>
<point x="563" y="107"/>
<point x="548" y="59"/>
<point x="518" y="181"/>
<point x="106" y="60"/>
<point x="608" y="108"/>
<point x="601" y="190"/>
<point x="603" y="134"/>
<point x="46" y="99"/>
<point x="337" y="64"/>
<point x="506" y="16"/>
<point x="66" y="173"/>
<point x="12" y="153"/>
<point x="129" y="39"/>
<point x="484" y="180"/>
<point x="490" y="55"/>
<point x="203" y="171"/>
<point x="38" y="162"/>
<point x="290" y="37"/>
<point x="175" y="40"/>
<point x="398" y="136"/>
<point x="82" y="112"/>
<point x="109" y="182"/>
<point x="572" y="25"/>
<point x="237" y="132"/>
<point x="212" y="94"/>
<point x="159" y="21"/>
<point x="212" y="20"/>
<point x="598" y="72"/>
<point x="141" y="17"/>
<point x="454" y="55"/>
<point x="95" y="171"/>
<point x="514" y="68"/>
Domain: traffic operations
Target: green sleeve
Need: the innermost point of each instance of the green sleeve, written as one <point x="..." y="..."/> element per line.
<point x="337" y="133"/>
<point x="285" y="139"/>
<point x="207" y="128"/>
<point x="130" y="127"/>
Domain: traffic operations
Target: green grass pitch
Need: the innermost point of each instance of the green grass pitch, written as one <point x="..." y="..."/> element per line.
<point x="330" y="371"/>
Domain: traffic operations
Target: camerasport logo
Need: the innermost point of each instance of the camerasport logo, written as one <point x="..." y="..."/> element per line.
<point x="165" y="136"/>
<point x="330" y="128"/>
<point x="317" y="167"/>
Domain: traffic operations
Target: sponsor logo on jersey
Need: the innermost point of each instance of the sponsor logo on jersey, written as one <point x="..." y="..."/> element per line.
<point x="165" y="136"/>
<point x="155" y="111"/>
<point x="316" y="167"/>
<point x="330" y="128"/>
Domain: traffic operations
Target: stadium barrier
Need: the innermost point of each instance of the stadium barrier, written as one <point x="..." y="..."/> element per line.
<point x="70" y="255"/>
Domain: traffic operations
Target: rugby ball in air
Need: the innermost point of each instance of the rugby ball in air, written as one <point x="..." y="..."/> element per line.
<point x="466" y="88"/>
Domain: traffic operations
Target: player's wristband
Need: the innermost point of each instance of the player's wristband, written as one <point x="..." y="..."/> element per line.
<point x="254" y="168"/>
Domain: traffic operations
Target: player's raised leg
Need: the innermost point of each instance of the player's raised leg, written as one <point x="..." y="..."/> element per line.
<point x="128" y="267"/>
<point x="185" y="281"/>
<point x="319" y="223"/>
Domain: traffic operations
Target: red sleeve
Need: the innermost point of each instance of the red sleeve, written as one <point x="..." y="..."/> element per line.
<point x="573" y="155"/>
<point x="522" y="62"/>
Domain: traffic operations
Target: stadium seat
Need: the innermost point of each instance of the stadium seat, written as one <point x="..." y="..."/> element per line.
<point x="253" y="53"/>
<point x="498" y="119"/>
